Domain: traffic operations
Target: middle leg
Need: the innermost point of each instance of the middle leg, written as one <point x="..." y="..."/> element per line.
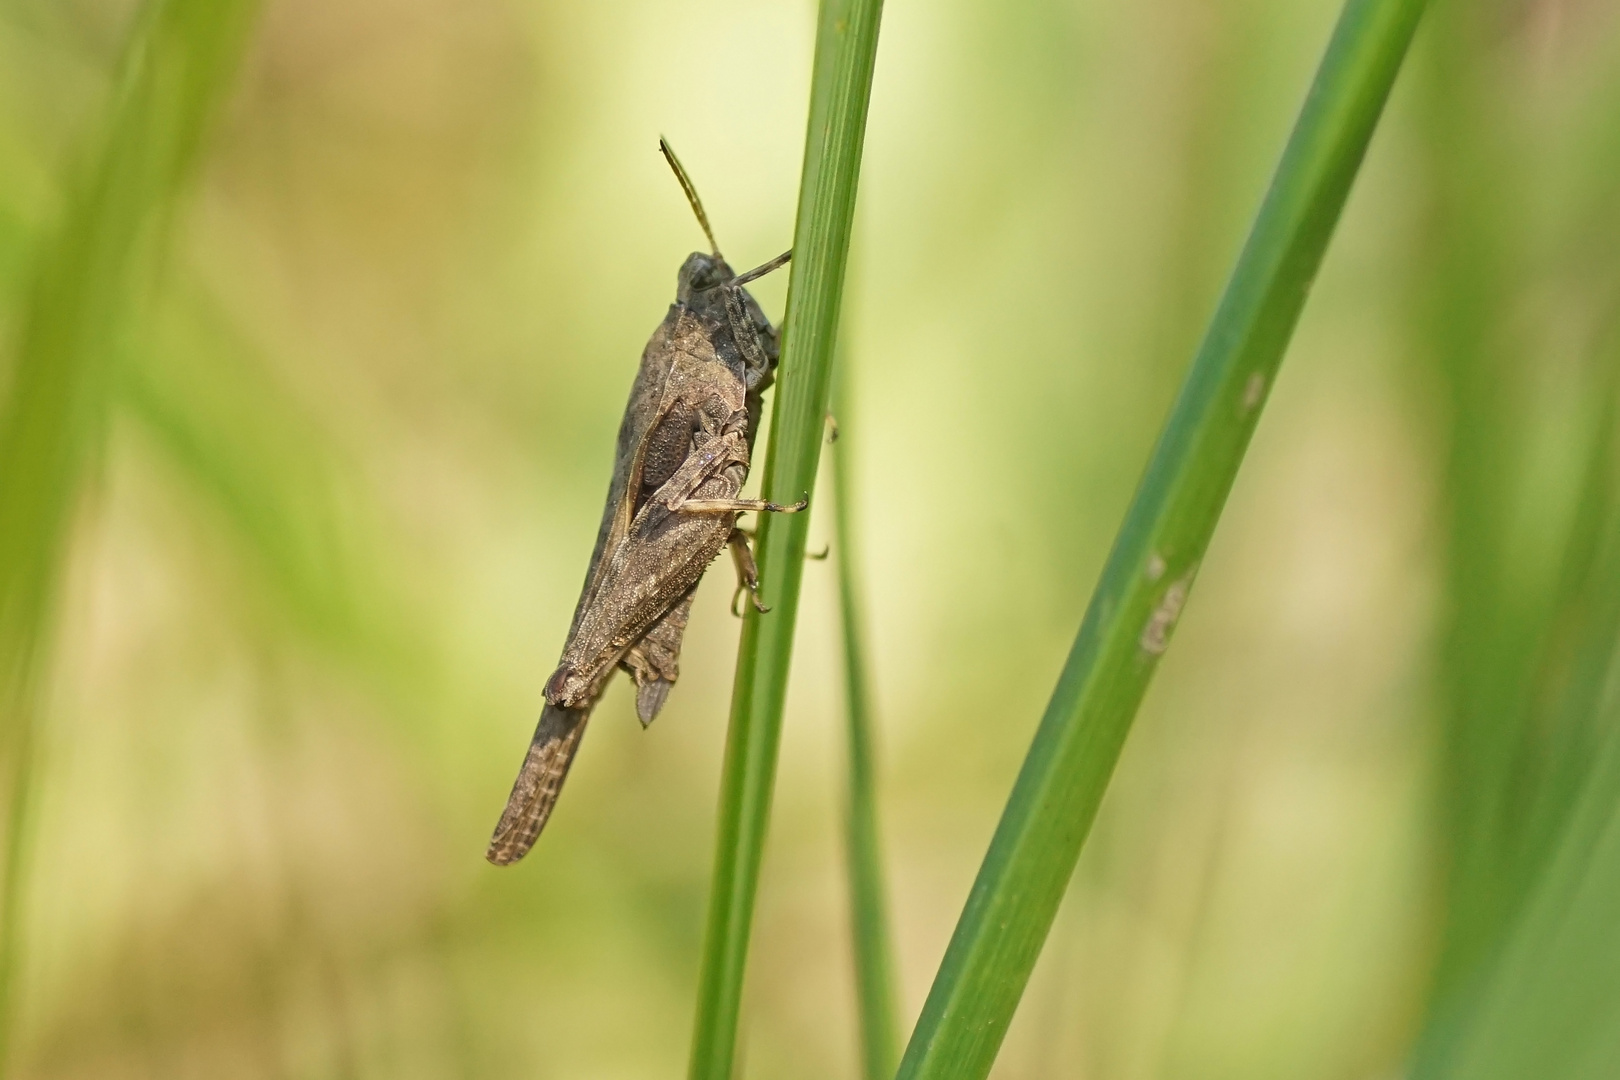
<point x="742" y="556"/>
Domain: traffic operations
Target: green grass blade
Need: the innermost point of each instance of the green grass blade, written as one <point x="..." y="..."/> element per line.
<point x="1156" y="555"/>
<point x="846" y="48"/>
<point x="1550" y="1006"/>
<point x="1470" y="272"/>
<point x="1528" y="639"/>
<point x="1527" y="980"/>
<point x="1548" y="997"/>
<point x="178" y="62"/>
<point x="876" y="994"/>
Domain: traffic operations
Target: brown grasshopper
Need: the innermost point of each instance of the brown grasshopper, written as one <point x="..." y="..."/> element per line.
<point x="682" y="458"/>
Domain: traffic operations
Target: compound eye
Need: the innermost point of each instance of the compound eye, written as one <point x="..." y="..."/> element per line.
<point x="701" y="272"/>
<point x="712" y="273"/>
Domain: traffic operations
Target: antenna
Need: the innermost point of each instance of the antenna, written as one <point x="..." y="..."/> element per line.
<point x="691" y="192"/>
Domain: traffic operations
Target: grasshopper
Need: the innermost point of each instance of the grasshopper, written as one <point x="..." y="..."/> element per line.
<point x="682" y="458"/>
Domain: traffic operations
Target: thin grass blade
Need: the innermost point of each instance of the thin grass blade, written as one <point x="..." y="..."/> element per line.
<point x="1150" y="571"/>
<point x="841" y="85"/>
<point x="875" y="990"/>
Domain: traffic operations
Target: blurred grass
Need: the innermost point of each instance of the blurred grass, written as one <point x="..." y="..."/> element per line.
<point x="1527" y="786"/>
<point x="99" y="260"/>
<point x="1542" y="996"/>
<point x="284" y="488"/>
<point x="840" y="91"/>
<point x="1495" y="618"/>
<point x="355" y="460"/>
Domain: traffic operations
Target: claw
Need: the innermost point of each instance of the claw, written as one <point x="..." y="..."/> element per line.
<point x="752" y="595"/>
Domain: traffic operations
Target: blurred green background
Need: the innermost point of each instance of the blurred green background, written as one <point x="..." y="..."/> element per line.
<point x="334" y="332"/>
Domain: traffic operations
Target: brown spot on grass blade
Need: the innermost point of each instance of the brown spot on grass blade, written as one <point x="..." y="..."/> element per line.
<point x="1253" y="391"/>
<point x="1156" y="634"/>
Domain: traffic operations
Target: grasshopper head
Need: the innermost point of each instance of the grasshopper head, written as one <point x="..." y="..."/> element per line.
<point x="699" y="274"/>
<point x="705" y="285"/>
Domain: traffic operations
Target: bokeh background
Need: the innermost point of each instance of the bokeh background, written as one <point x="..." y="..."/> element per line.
<point x="348" y="416"/>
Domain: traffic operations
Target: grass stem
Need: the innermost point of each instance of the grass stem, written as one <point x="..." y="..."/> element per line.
<point x="1156" y="554"/>
<point x="876" y="994"/>
<point x="841" y="84"/>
